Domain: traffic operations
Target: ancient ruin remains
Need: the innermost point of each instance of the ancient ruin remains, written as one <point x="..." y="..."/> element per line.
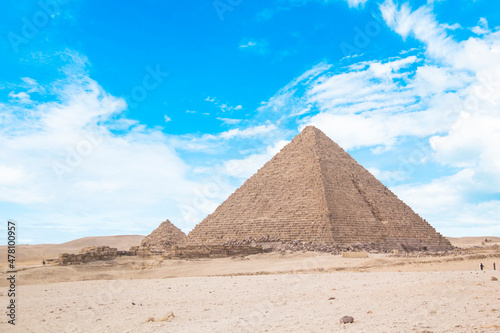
<point x="87" y="254"/>
<point x="314" y="195"/>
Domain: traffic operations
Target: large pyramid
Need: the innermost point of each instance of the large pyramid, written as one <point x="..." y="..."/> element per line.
<point x="314" y="192"/>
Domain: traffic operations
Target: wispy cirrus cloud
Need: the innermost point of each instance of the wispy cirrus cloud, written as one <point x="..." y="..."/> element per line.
<point x="230" y="121"/>
<point x="224" y="107"/>
<point x="260" y="47"/>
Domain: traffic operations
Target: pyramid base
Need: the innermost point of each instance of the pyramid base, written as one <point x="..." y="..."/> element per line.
<point x="401" y="244"/>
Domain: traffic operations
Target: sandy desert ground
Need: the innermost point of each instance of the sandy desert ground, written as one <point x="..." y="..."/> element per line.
<point x="273" y="292"/>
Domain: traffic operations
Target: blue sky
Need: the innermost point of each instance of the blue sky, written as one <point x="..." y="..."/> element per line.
<point x="116" y="116"/>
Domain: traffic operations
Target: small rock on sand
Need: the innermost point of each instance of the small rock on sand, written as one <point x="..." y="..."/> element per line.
<point x="168" y="317"/>
<point x="346" y="320"/>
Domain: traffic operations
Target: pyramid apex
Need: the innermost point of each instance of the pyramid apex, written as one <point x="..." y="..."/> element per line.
<point x="311" y="128"/>
<point x="313" y="131"/>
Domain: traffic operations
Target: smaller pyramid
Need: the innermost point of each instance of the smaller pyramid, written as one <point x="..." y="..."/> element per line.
<point x="164" y="236"/>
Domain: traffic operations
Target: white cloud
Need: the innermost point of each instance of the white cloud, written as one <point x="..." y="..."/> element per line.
<point x="241" y="140"/>
<point x="384" y="175"/>
<point x="32" y="85"/>
<point x="96" y="187"/>
<point x="446" y="98"/>
<point x="249" y="44"/>
<point x="224" y="107"/>
<point x="230" y="121"/>
<point x="259" y="47"/>
<point x="378" y="102"/>
<point x="473" y="143"/>
<point x="449" y="94"/>
<point x="167" y="118"/>
<point x="471" y="67"/>
<point x="431" y="79"/>
<point x="391" y="67"/>
<point x="356" y="3"/>
<point x="454" y="26"/>
<point x="247" y="132"/>
<point x="443" y="204"/>
<point x="22" y="97"/>
<point x="482" y="27"/>
<point x="10" y="175"/>
<point x="63" y="153"/>
<point x="420" y="24"/>
<point x="246" y="167"/>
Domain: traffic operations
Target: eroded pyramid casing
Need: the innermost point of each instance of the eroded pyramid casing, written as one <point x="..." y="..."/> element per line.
<point x="312" y="191"/>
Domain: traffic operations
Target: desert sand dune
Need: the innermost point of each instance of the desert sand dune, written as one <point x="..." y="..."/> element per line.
<point x="38" y="252"/>
<point x="473" y="241"/>
<point x="274" y="292"/>
<point x="394" y="299"/>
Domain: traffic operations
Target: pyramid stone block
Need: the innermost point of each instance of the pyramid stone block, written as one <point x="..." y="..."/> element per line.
<point x="314" y="192"/>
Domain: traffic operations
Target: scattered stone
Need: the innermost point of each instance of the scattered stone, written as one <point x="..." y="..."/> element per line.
<point x="346" y="320"/>
<point x="494" y="278"/>
<point x="490" y="326"/>
<point x="150" y="320"/>
<point x="331" y="298"/>
<point x="168" y="317"/>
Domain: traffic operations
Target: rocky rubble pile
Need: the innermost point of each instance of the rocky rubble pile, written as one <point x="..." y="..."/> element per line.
<point x="86" y="254"/>
<point x="275" y="244"/>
